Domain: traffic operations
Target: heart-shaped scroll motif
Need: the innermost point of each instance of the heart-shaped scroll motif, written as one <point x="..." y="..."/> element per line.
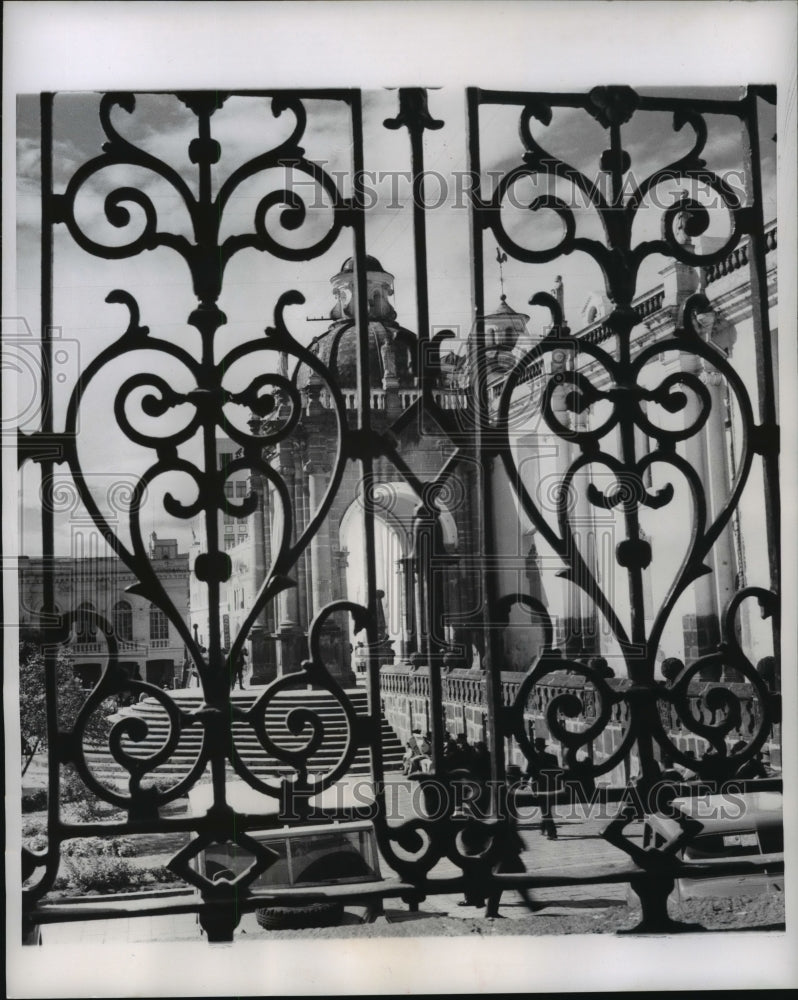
<point x="629" y="405"/>
<point x="273" y="400"/>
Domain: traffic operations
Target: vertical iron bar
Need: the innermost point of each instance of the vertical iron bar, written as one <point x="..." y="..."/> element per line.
<point x="485" y="456"/>
<point x="414" y="115"/>
<point x="364" y="426"/>
<point x="763" y="346"/>
<point x="47" y="467"/>
<point x="622" y="321"/>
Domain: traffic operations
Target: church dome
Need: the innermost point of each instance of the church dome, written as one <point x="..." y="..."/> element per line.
<point x="372" y="264"/>
<point x="391" y="353"/>
<point x="392" y="348"/>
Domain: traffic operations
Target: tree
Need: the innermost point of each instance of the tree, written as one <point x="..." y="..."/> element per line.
<point x="33" y="703"/>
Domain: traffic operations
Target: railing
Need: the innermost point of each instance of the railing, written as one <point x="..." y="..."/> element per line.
<point x="601" y="330"/>
<point x="738" y="259"/>
<point x="86" y="647"/>
<point x="276" y="445"/>
<point x="405" y="692"/>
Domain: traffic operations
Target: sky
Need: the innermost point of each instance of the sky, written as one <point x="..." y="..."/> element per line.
<point x="245" y="126"/>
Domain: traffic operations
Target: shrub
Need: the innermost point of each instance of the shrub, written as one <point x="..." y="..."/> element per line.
<point x="109" y="873"/>
<point x="164" y="874"/>
<point x="34" y="825"/>
<point x="80" y="812"/>
<point x="73" y="788"/>
<point x="33" y="703"/>
<point x="101" y="873"/>
<point x="94" y="847"/>
<point x="82" y="804"/>
<point x="34" y="800"/>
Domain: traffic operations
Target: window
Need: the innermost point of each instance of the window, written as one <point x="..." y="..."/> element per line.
<point x="123" y="621"/>
<point x="228" y="489"/>
<point x="241" y="488"/>
<point x="159" y="626"/>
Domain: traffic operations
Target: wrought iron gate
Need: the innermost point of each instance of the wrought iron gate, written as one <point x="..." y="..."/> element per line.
<point x="601" y="370"/>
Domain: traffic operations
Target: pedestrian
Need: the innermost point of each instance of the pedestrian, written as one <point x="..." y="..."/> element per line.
<point x="476" y="761"/>
<point x="480" y="762"/>
<point x="240" y="665"/>
<point x="545" y="773"/>
<point x="465" y="750"/>
<point x="417" y="752"/>
<point x="408" y="759"/>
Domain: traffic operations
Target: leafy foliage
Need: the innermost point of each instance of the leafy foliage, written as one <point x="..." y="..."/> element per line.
<point x="99" y="864"/>
<point x="33" y="704"/>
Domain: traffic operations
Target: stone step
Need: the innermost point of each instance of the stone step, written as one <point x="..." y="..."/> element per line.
<point x="321" y="703"/>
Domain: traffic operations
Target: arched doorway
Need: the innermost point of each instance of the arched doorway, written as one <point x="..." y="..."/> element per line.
<point x="395" y="507"/>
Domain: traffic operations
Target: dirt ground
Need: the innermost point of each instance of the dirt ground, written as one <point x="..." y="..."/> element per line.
<point x="738" y="913"/>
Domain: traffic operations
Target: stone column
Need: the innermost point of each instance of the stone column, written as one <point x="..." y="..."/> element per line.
<point x="289" y="634"/>
<point x="407" y="641"/>
<point x="717" y="487"/>
<point x="569" y="636"/>
<point x="701" y="630"/>
<point x="420" y="618"/>
<point x="320" y="558"/>
<point x="301" y="571"/>
<point x="316" y="472"/>
<point x="583" y="519"/>
<point x="264" y="661"/>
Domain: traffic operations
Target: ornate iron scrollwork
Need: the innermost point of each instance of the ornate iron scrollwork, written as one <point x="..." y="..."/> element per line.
<point x="608" y="397"/>
<point x="206" y="408"/>
<point x="612" y="382"/>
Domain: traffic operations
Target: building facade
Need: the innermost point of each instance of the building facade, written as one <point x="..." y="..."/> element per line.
<point x="97" y="592"/>
<point x="433" y="437"/>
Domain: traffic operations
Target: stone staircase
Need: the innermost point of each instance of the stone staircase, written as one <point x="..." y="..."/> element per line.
<point x="246" y="742"/>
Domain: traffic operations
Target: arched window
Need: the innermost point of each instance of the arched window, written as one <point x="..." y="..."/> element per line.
<point x="85" y="623"/>
<point x="123" y="621"/>
<point x="159" y="626"/>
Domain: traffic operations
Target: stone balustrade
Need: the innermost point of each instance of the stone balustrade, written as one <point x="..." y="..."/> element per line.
<point x="738" y="258"/>
<point x="405" y="694"/>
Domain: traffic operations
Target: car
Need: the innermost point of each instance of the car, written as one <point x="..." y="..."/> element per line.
<point x="340" y="852"/>
<point x="735" y="826"/>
